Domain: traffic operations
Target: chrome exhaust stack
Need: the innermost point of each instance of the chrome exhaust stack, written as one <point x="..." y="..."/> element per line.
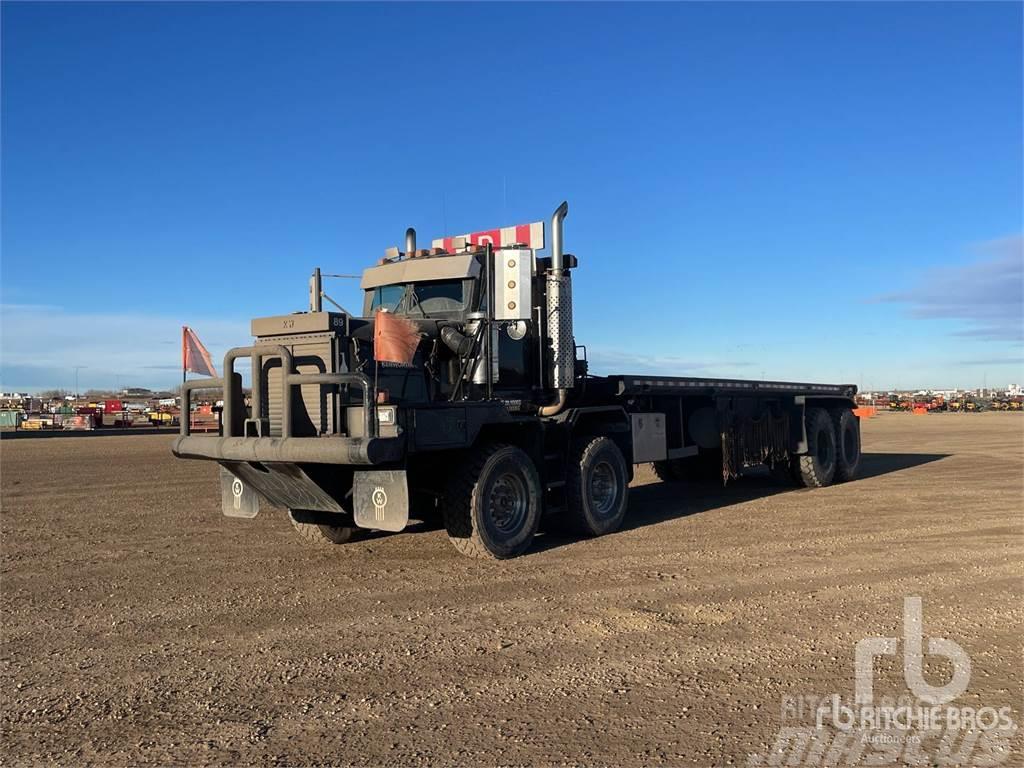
<point x="562" y="363"/>
<point x="557" y="255"/>
<point x="410" y="242"/>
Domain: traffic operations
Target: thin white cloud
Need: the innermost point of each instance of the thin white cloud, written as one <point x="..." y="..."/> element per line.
<point x="987" y="295"/>
<point x="1017" y="361"/>
<point x="41" y="345"/>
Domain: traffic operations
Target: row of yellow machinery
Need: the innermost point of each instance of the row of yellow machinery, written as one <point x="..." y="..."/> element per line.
<point x="1009" y="404"/>
<point x="963" y="404"/>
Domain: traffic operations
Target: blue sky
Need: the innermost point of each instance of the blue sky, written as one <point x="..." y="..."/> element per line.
<point x="814" y="191"/>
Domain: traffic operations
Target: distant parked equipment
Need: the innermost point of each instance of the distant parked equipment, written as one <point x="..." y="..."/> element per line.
<point x="900" y="403"/>
<point x="10" y="419"/>
<point x="78" y="423"/>
<point x="162" y="418"/>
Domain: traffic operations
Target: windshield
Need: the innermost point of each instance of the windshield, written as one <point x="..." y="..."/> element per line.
<point x="425" y="298"/>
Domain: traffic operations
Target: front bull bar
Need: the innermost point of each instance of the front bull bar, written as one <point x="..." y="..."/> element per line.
<point x="228" y="446"/>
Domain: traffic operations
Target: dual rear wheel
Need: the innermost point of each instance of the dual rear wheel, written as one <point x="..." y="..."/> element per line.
<point x="833" y="448"/>
<point x="597" y="487"/>
<point x="492" y="506"/>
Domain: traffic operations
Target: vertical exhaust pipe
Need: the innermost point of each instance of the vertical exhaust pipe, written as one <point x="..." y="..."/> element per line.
<point x="557" y="254"/>
<point x="410" y="242"/>
<point x="562" y="361"/>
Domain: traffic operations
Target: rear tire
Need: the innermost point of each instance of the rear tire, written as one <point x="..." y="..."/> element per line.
<point x="597" y="487"/>
<point x="847" y="427"/>
<point x="817" y="468"/>
<point x="492" y="503"/>
<point x="318" y="535"/>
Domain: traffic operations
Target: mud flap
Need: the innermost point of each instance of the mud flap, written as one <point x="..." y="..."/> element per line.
<point x="237" y="499"/>
<point x="380" y="500"/>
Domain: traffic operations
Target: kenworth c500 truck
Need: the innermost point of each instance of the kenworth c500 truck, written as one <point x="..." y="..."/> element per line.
<point x="493" y="419"/>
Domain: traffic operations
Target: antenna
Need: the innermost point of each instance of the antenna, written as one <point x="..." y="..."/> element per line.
<point x="317" y="293"/>
<point x="77" y="369"/>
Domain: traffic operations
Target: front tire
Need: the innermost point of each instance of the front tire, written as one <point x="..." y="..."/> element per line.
<point x="492" y="503"/>
<point x="597" y="487"/>
<point x="817" y="468"/>
<point x="317" y="534"/>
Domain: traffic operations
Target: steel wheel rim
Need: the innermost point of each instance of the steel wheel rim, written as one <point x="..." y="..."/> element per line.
<point x="603" y="488"/>
<point x="508" y="502"/>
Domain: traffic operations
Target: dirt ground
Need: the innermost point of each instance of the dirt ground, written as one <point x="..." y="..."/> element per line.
<point x="139" y="626"/>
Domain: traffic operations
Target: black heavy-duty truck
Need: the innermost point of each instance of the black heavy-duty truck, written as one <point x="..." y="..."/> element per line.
<point x="495" y="421"/>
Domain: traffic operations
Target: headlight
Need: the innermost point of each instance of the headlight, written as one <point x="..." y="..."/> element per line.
<point x="386" y="415"/>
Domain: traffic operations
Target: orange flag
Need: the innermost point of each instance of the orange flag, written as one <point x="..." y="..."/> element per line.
<point x="194" y="356"/>
<point x="394" y="338"/>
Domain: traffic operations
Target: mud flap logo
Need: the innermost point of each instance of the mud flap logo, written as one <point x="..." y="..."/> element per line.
<point x="380" y="500"/>
<point x="236" y="498"/>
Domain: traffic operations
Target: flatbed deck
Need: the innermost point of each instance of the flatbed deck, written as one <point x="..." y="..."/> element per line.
<point x="628" y="384"/>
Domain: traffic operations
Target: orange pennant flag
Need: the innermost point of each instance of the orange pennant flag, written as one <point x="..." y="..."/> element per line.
<point x="394" y="338"/>
<point x="194" y="356"/>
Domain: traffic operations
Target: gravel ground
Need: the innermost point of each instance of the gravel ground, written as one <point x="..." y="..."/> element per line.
<point x="142" y="627"/>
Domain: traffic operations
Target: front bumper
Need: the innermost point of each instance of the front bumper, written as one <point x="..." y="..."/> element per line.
<point x="292" y="450"/>
<point x="247" y="440"/>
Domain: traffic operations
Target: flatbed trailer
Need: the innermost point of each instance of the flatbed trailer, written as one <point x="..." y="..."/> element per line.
<point x="461" y="392"/>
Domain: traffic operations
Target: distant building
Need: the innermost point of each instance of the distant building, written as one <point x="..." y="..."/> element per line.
<point x="1014" y="390"/>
